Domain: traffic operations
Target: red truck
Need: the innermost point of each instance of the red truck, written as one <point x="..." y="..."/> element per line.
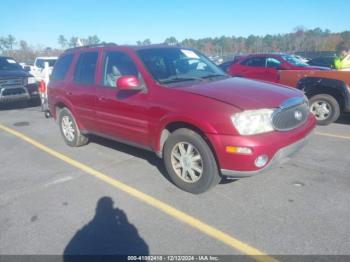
<point x="175" y="102"/>
<point x="327" y="90"/>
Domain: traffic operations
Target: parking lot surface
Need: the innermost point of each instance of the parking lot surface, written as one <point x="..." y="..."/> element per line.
<point x="76" y="200"/>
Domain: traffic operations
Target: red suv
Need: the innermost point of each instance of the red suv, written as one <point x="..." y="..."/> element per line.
<point x="175" y="102"/>
<point x="265" y="66"/>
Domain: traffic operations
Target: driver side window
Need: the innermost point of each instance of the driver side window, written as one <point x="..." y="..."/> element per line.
<point x="115" y="65"/>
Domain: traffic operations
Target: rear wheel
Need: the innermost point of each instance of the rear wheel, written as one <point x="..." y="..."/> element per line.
<point x="325" y="108"/>
<point x="69" y="129"/>
<point x="190" y="162"/>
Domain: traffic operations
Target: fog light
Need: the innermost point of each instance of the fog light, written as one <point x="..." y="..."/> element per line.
<point x="261" y="160"/>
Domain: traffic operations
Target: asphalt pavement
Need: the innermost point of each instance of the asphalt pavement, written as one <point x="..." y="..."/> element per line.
<point x="52" y="206"/>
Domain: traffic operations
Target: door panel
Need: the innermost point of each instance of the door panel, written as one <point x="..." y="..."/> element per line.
<point x="82" y="90"/>
<point x="121" y="114"/>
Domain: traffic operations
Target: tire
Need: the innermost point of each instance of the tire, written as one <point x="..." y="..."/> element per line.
<point x="198" y="182"/>
<point x="73" y="137"/>
<point x="325" y="108"/>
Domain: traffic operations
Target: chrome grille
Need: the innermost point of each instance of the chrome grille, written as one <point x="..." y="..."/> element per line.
<point x="292" y="114"/>
<point x="13" y="91"/>
<point x="12" y="82"/>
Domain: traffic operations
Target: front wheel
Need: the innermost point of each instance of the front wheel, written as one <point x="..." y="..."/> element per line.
<point x="190" y="162"/>
<point x="325" y="108"/>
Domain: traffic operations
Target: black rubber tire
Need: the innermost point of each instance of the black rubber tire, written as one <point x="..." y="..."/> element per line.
<point x="79" y="138"/>
<point x="210" y="176"/>
<point x="334" y="106"/>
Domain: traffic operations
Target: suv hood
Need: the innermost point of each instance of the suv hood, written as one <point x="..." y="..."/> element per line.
<point x="16" y="73"/>
<point x="244" y="93"/>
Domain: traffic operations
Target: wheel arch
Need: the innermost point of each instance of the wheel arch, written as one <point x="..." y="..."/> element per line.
<point x="66" y="104"/>
<point x="170" y="127"/>
<point x="336" y="88"/>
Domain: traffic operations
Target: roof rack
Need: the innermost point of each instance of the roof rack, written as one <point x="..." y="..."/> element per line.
<point x="90" y="46"/>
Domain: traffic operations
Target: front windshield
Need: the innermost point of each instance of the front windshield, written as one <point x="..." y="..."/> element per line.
<point x="8" y="64"/>
<point x="171" y="65"/>
<point x="294" y="60"/>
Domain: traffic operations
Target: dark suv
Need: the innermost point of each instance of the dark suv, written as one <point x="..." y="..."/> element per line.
<point x="175" y="102"/>
<point x="15" y="83"/>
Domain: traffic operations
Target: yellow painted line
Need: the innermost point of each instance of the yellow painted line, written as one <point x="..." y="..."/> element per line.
<point x="332" y="135"/>
<point x="171" y="211"/>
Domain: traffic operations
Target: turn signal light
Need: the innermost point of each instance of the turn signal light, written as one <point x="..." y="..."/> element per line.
<point x="239" y="150"/>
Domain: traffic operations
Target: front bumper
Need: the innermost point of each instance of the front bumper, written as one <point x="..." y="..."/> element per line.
<point x="282" y="156"/>
<point x="277" y="146"/>
<point x="10" y="95"/>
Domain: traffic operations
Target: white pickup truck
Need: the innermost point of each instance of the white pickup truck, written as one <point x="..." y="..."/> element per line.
<point x="37" y="70"/>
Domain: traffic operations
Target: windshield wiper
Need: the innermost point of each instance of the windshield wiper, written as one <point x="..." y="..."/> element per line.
<point x="179" y="79"/>
<point x="213" y="75"/>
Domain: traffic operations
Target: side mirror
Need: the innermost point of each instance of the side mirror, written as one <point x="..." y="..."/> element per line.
<point x="129" y="82"/>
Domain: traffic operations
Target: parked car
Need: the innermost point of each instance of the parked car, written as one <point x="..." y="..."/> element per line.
<point x="266" y="66"/>
<point x="37" y="70"/>
<point x="328" y="91"/>
<point x="15" y="83"/>
<point x="177" y="103"/>
<point x="226" y="65"/>
<point x="325" y="61"/>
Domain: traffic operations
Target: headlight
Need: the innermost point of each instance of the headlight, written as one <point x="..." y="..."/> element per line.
<point x="253" y="122"/>
<point x="31" y="80"/>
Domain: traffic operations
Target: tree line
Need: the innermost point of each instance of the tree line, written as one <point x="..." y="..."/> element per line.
<point x="300" y="40"/>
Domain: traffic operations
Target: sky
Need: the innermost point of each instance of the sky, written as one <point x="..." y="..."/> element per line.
<point x="40" y="22"/>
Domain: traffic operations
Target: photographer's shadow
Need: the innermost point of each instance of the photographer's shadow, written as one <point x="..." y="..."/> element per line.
<point x="108" y="233"/>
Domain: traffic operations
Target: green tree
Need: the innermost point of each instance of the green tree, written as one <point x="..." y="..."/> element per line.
<point x="62" y="41"/>
<point x="11" y="41"/>
<point x="171" y="41"/>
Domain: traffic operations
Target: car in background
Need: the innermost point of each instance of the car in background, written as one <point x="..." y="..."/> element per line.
<point x="177" y="103"/>
<point x="225" y="65"/>
<point x="16" y="84"/>
<point x="301" y="58"/>
<point x="37" y="70"/>
<point x="265" y="67"/>
<point x="325" y="61"/>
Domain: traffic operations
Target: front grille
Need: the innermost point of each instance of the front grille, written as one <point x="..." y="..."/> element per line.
<point x="292" y="114"/>
<point x="13" y="91"/>
<point x="12" y="82"/>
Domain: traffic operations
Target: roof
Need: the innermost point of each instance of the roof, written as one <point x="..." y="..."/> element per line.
<point x="133" y="47"/>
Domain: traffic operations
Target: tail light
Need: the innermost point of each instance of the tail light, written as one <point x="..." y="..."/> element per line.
<point x="42" y="87"/>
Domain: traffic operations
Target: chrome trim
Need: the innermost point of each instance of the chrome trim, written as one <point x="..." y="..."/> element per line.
<point x="287" y="104"/>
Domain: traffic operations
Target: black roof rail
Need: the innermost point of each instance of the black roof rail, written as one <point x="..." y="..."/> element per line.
<point x="90" y="46"/>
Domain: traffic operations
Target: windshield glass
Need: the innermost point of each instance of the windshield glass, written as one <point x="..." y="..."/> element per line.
<point x="40" y="62"/>
<point x="9" y="64"/>
<point x="294" y="60"/>
<point x="173" y="65"/>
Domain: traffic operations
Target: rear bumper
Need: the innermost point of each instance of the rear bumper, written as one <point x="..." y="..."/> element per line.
<point x="281" y="156"/>
<point x="276" y="146"/>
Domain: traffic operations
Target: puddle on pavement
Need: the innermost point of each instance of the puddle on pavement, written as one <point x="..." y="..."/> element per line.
<point x="24" y="123"/>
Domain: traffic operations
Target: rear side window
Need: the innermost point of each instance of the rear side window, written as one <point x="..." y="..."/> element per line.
<point x="254" y="61"/>
<point x="61" y="67"/>
<point x="85" y="69"/>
